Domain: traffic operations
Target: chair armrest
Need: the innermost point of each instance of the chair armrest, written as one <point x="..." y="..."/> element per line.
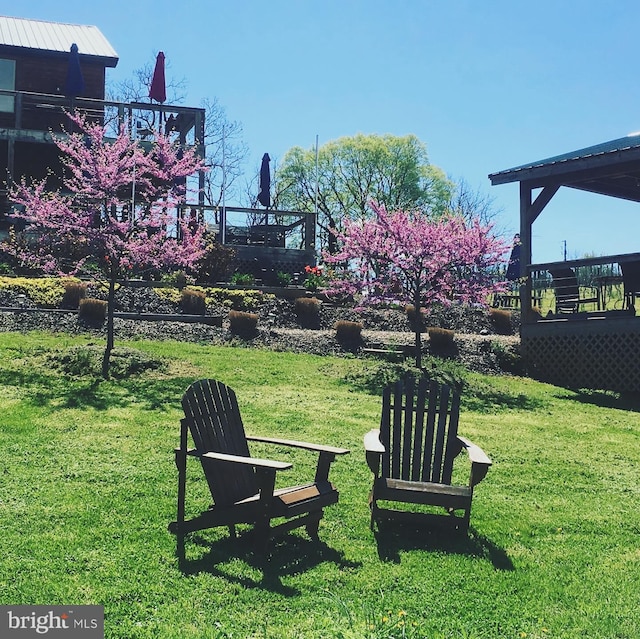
<point x="373" y="448"/>
<point x="372" y="442"/>
<point x="249" y="461"/>
<point x="319" y="448"/>
<point x="480" y="462"/>
<point x="326" y="454"/>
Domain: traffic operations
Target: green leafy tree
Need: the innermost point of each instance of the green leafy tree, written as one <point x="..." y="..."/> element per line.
<point x="352" y="171"/>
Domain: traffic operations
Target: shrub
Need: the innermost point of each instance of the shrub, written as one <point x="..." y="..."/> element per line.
<point x="193" y="302"/>
<point x="239" y="300"/>
<point x="509" y="358"/>
<point x="348" y="333"/>
<point x="243" y="279"/>
<point x="217" y="261"/>
<point x="42" y="291"/>
<point x="501" y="321"/>
<point x="410" y="312"/>
<point x="307" y="310"/>
<point x="92" y="311"/>
<point x="242" y="323"/>
<point x="284" y="278"/>
<point x="73" y="293"/>
<point x="440" y="338"/>
<point x="179" y="279"/>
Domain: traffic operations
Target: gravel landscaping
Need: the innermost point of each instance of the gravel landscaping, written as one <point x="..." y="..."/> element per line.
<point x="476" y="343"/>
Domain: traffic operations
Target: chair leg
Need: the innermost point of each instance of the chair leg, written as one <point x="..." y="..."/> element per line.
<point x="314" y="525"/>
<point x="181" y="464"/>
<point x="372" y="508"/>
<point x="261" y="537"/>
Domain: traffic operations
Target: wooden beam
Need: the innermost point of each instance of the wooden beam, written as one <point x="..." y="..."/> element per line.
<point x="543" y="198"/>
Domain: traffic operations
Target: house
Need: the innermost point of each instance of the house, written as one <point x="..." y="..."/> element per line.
<point x="34" y="59"/>
<point x="34" y="101"/>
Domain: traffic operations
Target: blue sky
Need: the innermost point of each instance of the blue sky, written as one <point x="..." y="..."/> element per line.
<point x="485" y="85"/>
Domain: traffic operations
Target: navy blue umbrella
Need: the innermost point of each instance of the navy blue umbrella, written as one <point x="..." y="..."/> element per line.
<point x="264" y="196"/>
<point x="74" y="84"/>
<point x="513" y="268"/>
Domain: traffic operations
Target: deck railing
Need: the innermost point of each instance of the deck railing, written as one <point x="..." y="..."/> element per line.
<point x="246" y="227"/>
<point x="600" y="287"/>
<point x="31" y="116"/>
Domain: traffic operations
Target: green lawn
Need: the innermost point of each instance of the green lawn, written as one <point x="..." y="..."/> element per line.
<point x="88" y="486"/>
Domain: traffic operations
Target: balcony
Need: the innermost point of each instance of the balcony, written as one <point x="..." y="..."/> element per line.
<point x="31" y="117"/>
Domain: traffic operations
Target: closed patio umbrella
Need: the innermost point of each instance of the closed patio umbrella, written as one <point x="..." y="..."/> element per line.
<point x="74" y="84"/>
<point x="158" y="89"/>
<point x="513" y="268"/>
<point x="264" y="196"/>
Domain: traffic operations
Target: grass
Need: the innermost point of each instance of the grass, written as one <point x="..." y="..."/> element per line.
<point x="88" y="486"/>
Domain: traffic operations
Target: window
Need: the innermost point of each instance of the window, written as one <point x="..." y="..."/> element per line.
<point x="8" y="83"/>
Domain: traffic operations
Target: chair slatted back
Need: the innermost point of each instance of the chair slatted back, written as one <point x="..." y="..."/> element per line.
<point x="213" y="417"/>
<point x="630" y="280"/>
<point x="566" y="287"/>
<point x="419" y="428"/>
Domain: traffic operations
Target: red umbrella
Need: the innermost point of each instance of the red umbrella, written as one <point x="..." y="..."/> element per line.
<point x="157" y="90"/>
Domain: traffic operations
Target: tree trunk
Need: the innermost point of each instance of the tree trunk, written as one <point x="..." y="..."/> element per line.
<point x="418" y="330"/>
<point x="109" y="347"/>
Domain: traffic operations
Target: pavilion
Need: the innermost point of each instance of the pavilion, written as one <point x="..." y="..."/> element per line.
<point x="599" y="348"/>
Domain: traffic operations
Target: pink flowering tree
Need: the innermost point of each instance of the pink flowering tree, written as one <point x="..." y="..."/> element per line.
<point x="115" y="213"/>
<point x="409" y="258"/>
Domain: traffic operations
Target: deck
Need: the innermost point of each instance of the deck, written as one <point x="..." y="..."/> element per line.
<point x="590" y="345"/>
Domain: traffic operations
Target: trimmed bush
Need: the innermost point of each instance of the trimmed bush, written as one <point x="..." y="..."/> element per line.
<point x="440" y="338"/>
<point x="348" y="333"/>
<point x="307" y="310"/>
<point x="501" y="321"/>
<point x="74" y="292"/>
<point x="193" y="302"/>
<point x="242" y="323"/>
<point x="410" y="312"/>
<point x="92" y="311"/>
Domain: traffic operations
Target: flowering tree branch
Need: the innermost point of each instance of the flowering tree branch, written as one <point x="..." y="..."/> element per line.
<point x="117" y="210"/>
<point x="407" y="257"/>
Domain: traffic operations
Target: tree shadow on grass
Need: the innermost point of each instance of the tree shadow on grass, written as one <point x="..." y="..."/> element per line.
<point x="608" y="399"/>
<point x="60" y="392"/>
<point x="394" y="538"/>
<point x="286" y="556"/>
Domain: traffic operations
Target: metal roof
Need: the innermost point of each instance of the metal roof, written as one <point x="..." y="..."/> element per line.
<point x="56" y="37"/>
<point x="611" y="168"/>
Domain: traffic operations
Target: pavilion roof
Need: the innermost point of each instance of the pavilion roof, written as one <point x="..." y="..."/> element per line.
<point x="610" y="168"/>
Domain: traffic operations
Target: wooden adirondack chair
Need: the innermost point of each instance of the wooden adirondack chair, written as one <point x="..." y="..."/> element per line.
<point x="568" y="299"/>
<point x="631" y="282"/>
<point x="412" y="454"/>
<point x="243" y="487"/>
